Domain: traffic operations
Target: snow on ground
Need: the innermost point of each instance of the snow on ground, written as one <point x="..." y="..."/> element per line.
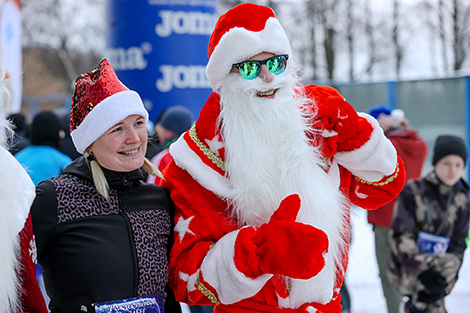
<point x="362" y="277"/>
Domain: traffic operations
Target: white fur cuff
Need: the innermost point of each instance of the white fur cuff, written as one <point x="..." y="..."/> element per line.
<point x="219" y="270"/>
<point x="373" y="161"/>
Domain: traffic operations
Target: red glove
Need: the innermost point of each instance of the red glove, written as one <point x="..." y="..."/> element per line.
<point x="342" y="128"/>
<point x="282" y="246"/>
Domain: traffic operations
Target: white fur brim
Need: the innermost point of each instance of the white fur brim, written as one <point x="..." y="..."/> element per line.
<point x="105" y="115"/>
<point x="240" y="44"/>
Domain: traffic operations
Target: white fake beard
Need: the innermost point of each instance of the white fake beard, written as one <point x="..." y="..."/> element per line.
<point x="268" y="157"/>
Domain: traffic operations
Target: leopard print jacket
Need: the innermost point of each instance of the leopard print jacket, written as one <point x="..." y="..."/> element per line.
<point x="92" y="249"/>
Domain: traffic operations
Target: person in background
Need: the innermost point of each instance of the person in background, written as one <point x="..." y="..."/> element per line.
<point x="19" y="289"/>
<point x="263" y="181"/>
<point x="42" y="158"/>
<point x="154" y="144"/>
<point x="413" y="150"/>
<point x="20" y="138"/>
<point x="429" y="230"/>
<point x="173" y="121"/>
<point x="66" y="144"/>
<point x="102" y="233"/>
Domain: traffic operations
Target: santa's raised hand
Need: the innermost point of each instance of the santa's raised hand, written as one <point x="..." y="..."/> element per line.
<point x="342" y="128"/>
<point x="281" y="246"/>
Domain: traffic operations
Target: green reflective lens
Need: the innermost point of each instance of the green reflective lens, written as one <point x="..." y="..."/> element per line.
<point x="251" y="69"/>
<point x="277" y="64"/>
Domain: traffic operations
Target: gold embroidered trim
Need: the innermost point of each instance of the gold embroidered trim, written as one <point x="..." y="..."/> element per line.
<point x="387" y="181"/>
<point x="207" y="152"/>
<point x="325" y="166"/>
<point x="206" y="292"/>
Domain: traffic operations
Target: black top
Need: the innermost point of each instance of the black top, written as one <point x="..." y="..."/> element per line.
<point x="92" y="249"/>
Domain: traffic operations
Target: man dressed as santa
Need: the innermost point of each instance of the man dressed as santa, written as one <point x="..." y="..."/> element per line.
<point x="264" y="181"/>
<point x="19" y="289"/>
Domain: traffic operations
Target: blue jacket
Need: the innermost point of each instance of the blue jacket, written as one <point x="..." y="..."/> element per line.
<point x="42" y="162"/>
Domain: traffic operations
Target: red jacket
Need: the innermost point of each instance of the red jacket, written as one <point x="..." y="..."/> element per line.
<point x="412" y="149"/>
<point x="203" y="261"/>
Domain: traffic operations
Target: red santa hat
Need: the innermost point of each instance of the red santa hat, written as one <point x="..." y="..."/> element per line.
<point x="99" y="102"/>
<point x="239" y="34"/>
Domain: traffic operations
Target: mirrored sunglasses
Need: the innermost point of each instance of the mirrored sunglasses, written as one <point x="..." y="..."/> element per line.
<point x="251" y="69"/>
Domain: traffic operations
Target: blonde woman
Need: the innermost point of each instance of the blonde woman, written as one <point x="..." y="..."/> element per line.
<point x="102" y="233"/>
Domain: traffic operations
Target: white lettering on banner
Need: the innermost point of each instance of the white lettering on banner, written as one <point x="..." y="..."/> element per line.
<point x="132" y="58"/>
<point x="182" y="77"/>
<point x="182" y="22"/>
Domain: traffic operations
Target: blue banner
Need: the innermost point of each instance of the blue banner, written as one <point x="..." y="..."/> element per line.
<point x="159" y="49"/>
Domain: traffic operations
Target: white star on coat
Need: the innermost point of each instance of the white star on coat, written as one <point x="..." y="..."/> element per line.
<point x="215" y="144"/>
<point x="360" y="195"/>
<point x="182" y="227"/>
<point x="190" y="280"/>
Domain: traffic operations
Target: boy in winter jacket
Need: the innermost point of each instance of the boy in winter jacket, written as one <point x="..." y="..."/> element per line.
<point x="430" y="224"/>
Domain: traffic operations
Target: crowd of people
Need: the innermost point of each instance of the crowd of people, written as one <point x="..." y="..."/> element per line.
<point x="247" y="209"/>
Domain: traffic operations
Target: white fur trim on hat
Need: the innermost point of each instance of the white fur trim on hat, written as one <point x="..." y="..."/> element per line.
<point x="105" y="115"/>
<point x="240" y="44"/>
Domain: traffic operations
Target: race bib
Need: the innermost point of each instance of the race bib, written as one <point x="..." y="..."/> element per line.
<point x="432" y="244"/>
<point x="148" y="304"/>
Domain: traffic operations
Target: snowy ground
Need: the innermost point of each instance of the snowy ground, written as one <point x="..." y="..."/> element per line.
<point x="362" y="277"/>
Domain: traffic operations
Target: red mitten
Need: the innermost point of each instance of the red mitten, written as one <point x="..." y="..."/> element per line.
<point x="282" y="246"/>
<point x="342" y="128"/>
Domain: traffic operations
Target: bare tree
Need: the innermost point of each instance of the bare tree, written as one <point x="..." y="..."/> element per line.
<point x="369" y="29"/>
<point x="328" y="18"/>
<point x="350" y="38"/>
<point x="443" y="34"/>
<point x="311" y="12"/>
<point x="396" y="33"/>
<point x="461" y="40"/>
<point x="66" y="26"/>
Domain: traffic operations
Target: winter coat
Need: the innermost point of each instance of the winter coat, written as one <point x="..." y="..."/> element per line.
<point x="92" y="249"/>
<point x="412" y="149"/>
<point x="422" y="207"/>
<point x="203" y="262"/>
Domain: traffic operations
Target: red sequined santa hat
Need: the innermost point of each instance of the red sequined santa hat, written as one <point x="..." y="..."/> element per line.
<point x="99" y="102"/>
<point x="239" y="34"/>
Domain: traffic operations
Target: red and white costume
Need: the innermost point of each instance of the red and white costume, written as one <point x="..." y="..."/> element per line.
<point x="223" y="254"/>
<point x="19" y="290"/>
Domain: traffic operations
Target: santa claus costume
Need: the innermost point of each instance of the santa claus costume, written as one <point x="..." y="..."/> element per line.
<point x="19" y="290"/>
<point x="264" y="180"/>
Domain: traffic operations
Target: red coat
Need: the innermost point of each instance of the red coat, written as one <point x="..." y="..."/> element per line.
<point x="204" y="268"/>
<point x="412" y="149"/>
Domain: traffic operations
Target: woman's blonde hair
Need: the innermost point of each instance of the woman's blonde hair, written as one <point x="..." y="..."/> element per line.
<point x="99" y="179"/>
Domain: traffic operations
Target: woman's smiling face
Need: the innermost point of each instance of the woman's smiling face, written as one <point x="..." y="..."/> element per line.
<point x="122" y="148"/>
